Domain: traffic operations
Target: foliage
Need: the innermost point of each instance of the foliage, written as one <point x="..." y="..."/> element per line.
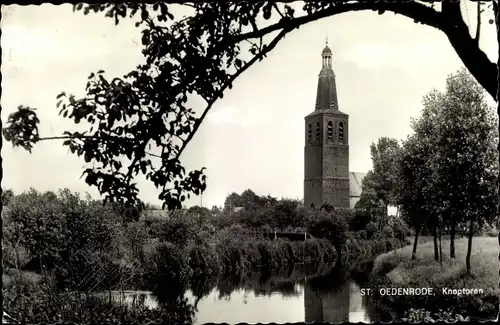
<point x="168" y="264"/>
<point x="7" y="196"/>
<point x="371" y="229"/>
<point x="331" y="226"/>
<point x="360" y="219"/>
<point x="52" y="227"/>
<point x="385" y="156"/>
<point x="359" y="252"/>
<point x="421" y="315"/>
<point x="369" y="202"/>
<point x="28" y="304"/>
<point x="449" y="165"/>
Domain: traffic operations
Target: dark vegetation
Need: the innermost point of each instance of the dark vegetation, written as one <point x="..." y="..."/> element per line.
<point x="58" y="244"/>
<point x="443" y="178"/>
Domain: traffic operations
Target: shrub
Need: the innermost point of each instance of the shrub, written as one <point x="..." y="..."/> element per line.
<point x="136" y="236"/>
<point x="168" y="264"/>
<point x="362" y="234"/>
<point x="371" y="229"/>
<point x="177" y="231"/>
<point x="203" y="261"/>
<point x="329" y="226"/>
<point x="388" y="232"/>
<point x="400" y="228"/>
<point x="359" y="220"/>
<point x="51" y="226"/>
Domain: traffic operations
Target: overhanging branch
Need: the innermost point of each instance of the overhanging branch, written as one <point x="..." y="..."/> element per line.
<point x="419" y="12"/>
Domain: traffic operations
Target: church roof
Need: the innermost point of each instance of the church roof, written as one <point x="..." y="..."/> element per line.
<point x="355" y="180"/>
<point x="326" y="95"/>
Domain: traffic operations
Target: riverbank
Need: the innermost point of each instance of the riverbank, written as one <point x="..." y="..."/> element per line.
<point x="396" y="269"/>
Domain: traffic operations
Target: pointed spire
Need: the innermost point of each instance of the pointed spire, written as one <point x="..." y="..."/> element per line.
<point x="326" y="97"/>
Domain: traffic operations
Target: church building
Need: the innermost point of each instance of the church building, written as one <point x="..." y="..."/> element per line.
<point x="327" y="178"/>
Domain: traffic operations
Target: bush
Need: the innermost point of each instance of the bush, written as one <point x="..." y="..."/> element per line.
<point x="330" y="226"/>
<point x="203" y="261"/>
<point x="50" y="227"/>
<point x="177" y="231"/>
<point x="168" y="264"/>
<point x="362" y="234"/>
<point x="388" y="232"/>
<point x="360" y="219"/>
<point x="400" y="228"/>
<point x="371" y="229"/>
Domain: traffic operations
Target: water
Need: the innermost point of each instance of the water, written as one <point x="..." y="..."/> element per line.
<point x="311" y="300"/>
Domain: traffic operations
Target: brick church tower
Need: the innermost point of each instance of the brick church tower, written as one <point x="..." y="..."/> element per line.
<point x="326" y="152"/>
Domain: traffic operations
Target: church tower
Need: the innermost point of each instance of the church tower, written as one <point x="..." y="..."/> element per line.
<point x="326" y="152"/>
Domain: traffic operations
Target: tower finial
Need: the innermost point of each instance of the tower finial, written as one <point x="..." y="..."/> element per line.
<point x="327" y="39"/>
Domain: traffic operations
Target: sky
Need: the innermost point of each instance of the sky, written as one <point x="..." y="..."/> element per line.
<point x="254" y="137"/>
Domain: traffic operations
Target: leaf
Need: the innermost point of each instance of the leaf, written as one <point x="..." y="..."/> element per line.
<point x="144" y="15"/>
<point x="237" y="63"/>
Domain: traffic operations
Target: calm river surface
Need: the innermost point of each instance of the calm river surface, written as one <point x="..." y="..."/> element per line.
<point x="296" y="301"/>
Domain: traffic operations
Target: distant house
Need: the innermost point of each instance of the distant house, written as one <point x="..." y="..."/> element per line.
<point x="150" y="215"/>
<point x="238" y="209"/>
<point x="355" y="181"/>
<point x="5" y="211"/>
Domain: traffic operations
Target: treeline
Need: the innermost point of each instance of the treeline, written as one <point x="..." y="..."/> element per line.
<point x="443" y="177"/>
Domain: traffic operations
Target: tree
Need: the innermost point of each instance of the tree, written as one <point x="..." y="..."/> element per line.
<point x="7" y="196"/>
<point x="288" y="213"/>
<point x="414" y="177"/>
<point x="369" y="202"/>
<point x="467" y="160"/>
<point x="150" y="102"/>
<point x="450" y="160"/>
<point x="465" y="127"/>
<point x="330" y="226"/>
<point x="385" y="156"/>
<point x="232" y="201"/>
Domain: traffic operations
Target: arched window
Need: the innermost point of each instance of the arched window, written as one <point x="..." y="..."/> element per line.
<point x="341" y="131"/>
<point x="309" y="132"/>
<point x="330" y="130"/>
<point x="318" y="133"/>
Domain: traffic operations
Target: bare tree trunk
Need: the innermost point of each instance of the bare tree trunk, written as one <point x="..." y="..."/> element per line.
<point x="440" y="249"/>
<point x="469" y="245"/>
<point x="436" y="251"/>
<point x="452" y="236"/>
<point x="414" y="252"/>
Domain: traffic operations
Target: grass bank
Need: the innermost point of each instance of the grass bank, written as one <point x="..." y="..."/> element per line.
<point x="397" y="269"/>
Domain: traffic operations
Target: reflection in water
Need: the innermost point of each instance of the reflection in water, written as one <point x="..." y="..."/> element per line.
<point x="345" y="304"/>
<point x="331" y="298"/>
